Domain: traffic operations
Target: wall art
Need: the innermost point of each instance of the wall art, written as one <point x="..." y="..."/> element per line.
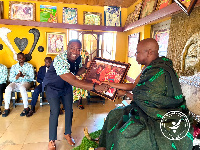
<point x="21" y="11"/>
<point x="48" y="13"/>
<point x="112" y="16"/>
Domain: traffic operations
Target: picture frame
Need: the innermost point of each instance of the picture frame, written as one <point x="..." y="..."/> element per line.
<point x="92" y="18"/>
<point x="1" y="9"/>
<point x="133" y="40"/>
<point x="162" y="37"/>
<point x="106" y="70"/>
<point x="112" y="16"/>
<point x="134" y="16"/>
<point x="48" y="13"/>
<point x="148" y="7"/>
<point x="186" y="5"/>
<point x="21" y="11"/>
<point x="163" y="3"/>
<point x="69" y="15"/>
<point x="56" y="42"/>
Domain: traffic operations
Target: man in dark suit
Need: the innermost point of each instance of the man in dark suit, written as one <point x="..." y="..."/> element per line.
<point x="41" y="74"/>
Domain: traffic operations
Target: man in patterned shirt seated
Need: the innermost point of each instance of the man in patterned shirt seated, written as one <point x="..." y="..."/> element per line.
<point x="21" y="76"/>
<point x="3" y="78"/>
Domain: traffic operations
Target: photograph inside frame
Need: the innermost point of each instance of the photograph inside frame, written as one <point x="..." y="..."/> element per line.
<point x="103" y="70"/>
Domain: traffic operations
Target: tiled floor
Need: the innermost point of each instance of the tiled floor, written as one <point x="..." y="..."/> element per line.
<point x="22" y="133"/>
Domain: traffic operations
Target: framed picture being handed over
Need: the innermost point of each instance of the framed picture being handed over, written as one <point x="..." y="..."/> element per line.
<point x="106" y="70"/>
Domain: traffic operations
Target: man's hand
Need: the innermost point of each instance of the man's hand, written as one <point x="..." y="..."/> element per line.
<point x="19" y="75"/>
<point x="121" y="93"/>
<point x="102" y="87"/>
<point x="88" y="64"/>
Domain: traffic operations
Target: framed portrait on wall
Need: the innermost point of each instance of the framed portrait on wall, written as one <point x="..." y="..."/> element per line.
<point x="134" y="16"/>
<point x="56" y="42"/>
<point x="133" y="40"/>
<point x="1" y="9"/>
<point x="92" y="18"/>
<point x="69" y="15"/>
<point x="48" y="13"/>
<point x="112" y="16"/>
<point x="162" y="37"/>
<point x="163" y="3"/>
<point x="148" y="7"/>
<point x="106" y="70"/>
<point x="21" y="11"/>
<point x="186" y="5"/>
<point x="160" y="32"/>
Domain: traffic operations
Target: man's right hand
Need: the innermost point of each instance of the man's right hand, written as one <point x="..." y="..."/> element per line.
<point x="19" y="75"/>
<point x="121" y="93"/>
<point x="102" y="87"/>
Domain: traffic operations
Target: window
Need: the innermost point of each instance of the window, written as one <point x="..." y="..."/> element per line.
<point x="97" y="44"/>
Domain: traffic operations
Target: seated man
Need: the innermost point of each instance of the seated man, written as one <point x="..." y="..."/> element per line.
<point x="41" y="73"/>
<point x="3" y="79"/>
<point x="21" y="76"/>
<point x="156" y="92"/>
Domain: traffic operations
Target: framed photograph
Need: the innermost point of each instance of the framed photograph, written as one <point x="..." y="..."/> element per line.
<point x="21" y="11"/>
<point x="56" y="42"/>
<point x="112" y="16"/>
<point x="48" y="13"/>
<point x="1" y="9"/>
<point x="134" y="16"/>
<point x="133" y="40"/>
<point x="163" y="3"/>
<point x="92" y="18"/>
<point x="69" y="15"/>
<point x="186" y="5"/>
<point x="162" y="37"/>
<point x="106" y="70"/>
<point x="148" y="7"/>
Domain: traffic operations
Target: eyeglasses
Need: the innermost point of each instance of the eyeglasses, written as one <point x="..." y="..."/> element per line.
<point x="140" y="52"/>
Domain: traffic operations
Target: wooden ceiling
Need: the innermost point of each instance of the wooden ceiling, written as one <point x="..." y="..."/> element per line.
<point x="119" y="3"/>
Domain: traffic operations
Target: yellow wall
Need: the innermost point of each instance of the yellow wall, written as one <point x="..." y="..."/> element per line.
<point x="144" y="31"/>
<point x="38" y="57"/>
<point x="6" y="56"/>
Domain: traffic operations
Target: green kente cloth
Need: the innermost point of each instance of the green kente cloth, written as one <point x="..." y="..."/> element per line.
<point x="137" y="126"/>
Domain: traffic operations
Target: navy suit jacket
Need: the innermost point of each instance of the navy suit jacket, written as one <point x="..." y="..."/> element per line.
<point x="41" y="74"/>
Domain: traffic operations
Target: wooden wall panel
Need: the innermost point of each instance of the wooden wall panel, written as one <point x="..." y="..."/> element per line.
<point x="119" y="3"/>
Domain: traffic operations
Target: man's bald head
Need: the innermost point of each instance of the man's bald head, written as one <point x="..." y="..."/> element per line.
<point x="147" y="51"/>
<point x="151" y="44"/>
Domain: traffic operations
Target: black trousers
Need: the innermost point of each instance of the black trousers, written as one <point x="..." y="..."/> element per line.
<point x="2" y="88"/>
<point x="36" y="93"/>
<point x="54" y="102"/>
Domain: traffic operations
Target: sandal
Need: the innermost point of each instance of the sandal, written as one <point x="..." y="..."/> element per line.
<point x="52" y="145"/>
<point x="80" y="107"/>
<point x="6" y="113"/>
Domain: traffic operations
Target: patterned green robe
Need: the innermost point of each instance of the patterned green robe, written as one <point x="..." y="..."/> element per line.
<point x="137" y="126"/>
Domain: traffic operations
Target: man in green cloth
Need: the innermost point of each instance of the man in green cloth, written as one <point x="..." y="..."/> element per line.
<point x="155" y="92"/>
